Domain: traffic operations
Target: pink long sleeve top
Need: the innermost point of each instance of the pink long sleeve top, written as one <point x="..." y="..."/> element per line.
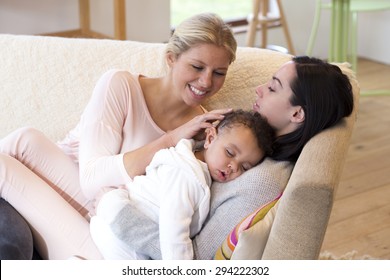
<point x="116" y="120"/>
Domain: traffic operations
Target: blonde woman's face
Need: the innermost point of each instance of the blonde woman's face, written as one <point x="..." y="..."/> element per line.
<point x="199" y="72"/>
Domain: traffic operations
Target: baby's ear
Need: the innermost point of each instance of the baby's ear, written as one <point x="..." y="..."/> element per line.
<point x="211" y="134"/>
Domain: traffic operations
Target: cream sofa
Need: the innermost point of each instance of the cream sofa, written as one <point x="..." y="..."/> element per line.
<point x="45" y="82"/>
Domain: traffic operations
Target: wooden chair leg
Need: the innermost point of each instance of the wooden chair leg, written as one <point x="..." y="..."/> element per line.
<point x="263" y="5"/>
<point x="120" y="19"/>
<point x="264" y="23"/>
<point x="252" y="28"/>
<point x="84" y="13"/>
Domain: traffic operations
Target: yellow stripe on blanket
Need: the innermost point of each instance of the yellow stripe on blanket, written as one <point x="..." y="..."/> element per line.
<point x="225" y="251"/>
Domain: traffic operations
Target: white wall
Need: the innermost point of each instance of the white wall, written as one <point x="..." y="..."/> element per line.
<point x="139" y="13"/>
<point x="45" y="16"/>
<point x="48" y="16"/>
<point x="36" y="17"/>
<point x="374" y="36"/>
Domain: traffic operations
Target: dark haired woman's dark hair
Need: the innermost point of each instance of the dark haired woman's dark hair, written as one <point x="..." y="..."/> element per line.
<point x="324" y="93"/>
<point x="259" y="126"/>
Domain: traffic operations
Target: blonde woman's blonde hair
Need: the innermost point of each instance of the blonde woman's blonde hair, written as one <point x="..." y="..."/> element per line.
<point x="205" y="28"/>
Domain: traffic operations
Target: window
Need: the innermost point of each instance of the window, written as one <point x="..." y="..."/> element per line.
<point x="233" y="11"/>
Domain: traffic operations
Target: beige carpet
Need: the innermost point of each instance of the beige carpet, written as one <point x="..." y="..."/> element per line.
<point x="353" y="255"/>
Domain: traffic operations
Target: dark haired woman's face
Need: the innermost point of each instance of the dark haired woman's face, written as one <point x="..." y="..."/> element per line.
<point x="273" y="100"/>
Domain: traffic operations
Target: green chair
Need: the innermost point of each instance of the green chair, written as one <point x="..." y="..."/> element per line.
<point x="356" y="6"/>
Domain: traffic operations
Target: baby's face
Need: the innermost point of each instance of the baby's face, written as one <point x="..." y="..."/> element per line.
<point x="231" y="152"/>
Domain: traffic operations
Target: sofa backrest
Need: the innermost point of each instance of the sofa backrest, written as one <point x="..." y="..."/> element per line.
<point x="45" y="82"/>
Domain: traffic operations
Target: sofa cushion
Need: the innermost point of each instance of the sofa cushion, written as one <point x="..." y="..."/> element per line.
<point x="252" y="241"/>
<point x="16" y="241"/>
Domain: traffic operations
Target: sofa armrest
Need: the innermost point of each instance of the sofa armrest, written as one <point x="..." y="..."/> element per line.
<point x="303" y="214"/>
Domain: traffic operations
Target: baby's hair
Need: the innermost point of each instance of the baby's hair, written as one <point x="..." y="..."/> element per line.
<point x="259" y="126"/>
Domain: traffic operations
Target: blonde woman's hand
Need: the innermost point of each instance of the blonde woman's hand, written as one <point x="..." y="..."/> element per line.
<point x="196" y="125"/>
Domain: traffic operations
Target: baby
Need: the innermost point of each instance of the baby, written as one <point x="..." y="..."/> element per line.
<point x="175" y="191"/>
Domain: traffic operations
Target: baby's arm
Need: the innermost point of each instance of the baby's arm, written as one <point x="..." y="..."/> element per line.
<point x="178" y="201"/>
